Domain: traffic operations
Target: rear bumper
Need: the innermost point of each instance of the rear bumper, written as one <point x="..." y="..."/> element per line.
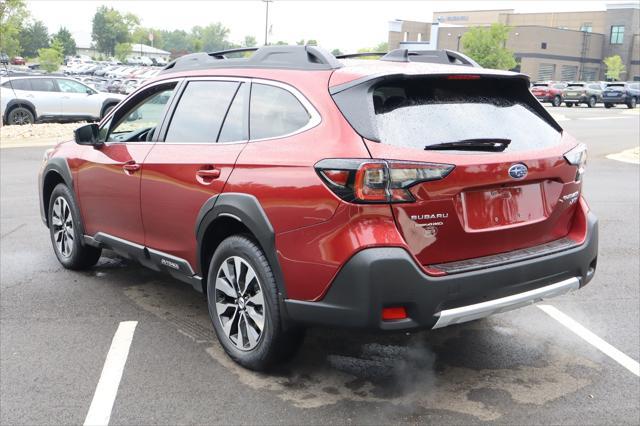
<point x="581" y="98"/>
<point x="387" y="277"/>
<point x="615" y="99"/>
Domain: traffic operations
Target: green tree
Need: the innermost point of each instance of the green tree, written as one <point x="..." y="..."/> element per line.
<point x="486" y="45"/>
<point x="32" y="37"/>
<point x="121" y="51"/>
<point x="50" y="58"/>
<point x="66" y="39"/>
<point x="281" y="43"/>
<point x="249" y="41"/>
<point x="212" y="37"/>
<point x="12" y="15"/>
<point x="141" y="35"/>
<point x="336" y="52"/>
<point x="382" y="47"/>
<point x="110" y="27"/>
<point x="175" y="41"/>
<point x="615" y="67"/>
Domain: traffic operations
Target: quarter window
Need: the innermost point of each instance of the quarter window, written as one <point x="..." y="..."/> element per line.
<point x="21" y="84"/>
<point x="617" y="34"/>
<point x="201" y="111"/>
<point x="275" y="112"/>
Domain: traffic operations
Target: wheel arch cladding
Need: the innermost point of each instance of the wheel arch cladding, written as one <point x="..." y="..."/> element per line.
<point x="56" y="171"/>
<point x="106" y="104"/>
<point x="20" y="103"/>
<point x="236" y="213"/>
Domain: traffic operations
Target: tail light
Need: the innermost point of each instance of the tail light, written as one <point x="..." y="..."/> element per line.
<point x="377" y="181"/>
<point x="578" y="157"/>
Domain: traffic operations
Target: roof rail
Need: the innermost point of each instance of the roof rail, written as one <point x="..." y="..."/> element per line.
<point x="432" y="56"/>
<point x="280" y="57"/>
<point x="360" y="55"/>
<point x="221" y="54"/>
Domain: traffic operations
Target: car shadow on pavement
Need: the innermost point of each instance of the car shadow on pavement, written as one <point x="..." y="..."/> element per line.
<point x="480" y="369"/>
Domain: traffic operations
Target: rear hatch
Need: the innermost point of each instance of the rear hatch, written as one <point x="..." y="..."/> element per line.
<point x="575" y="90"/>
<point x="540" y="89"/>
<point x="614" y="90"/>
<point x="509" y="186"/>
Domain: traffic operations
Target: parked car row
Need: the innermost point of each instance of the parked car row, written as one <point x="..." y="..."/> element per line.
<point x="26" y="99"/>
<point x="16" y="60"/>
<point x="588" y="93"/>
<point x="122" y="79"/>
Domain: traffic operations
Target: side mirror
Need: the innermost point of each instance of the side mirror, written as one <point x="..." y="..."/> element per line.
<point x="87" y="135"/>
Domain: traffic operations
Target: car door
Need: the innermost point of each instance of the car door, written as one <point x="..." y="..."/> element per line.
<point x="78" y="99"/>
<point x="195" y="154"/>
<point x="109" y="175"/>
<point x="44" y="95"/>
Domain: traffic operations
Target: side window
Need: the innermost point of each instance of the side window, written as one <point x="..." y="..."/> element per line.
<point x="274" y="112"/>
<point x="200" y="111"/>
<point x="235" y="125"/>
<point x="70" y="86"/>
<point x="137" y="120"/>
<point x="43" y="85"/>
<point x="20" y="84"/>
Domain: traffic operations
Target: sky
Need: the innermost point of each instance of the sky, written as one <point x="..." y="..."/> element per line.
<point x="347" y="25"/>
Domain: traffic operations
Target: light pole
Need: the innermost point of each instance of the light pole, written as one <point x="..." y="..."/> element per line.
<point x="458" y="46"/>
<point x="266" y="21"/>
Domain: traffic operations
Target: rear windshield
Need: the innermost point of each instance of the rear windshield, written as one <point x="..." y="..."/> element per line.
<point x="541" y="85"/>
<point x="575" y="85"/>
<point x="615" y="85"/>
<point x="421" y="112"/>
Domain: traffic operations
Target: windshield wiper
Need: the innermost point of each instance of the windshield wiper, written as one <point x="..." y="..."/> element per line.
<point x="478" y="144"/>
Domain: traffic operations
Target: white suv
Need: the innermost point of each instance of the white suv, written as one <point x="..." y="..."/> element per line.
<point x="25" y="100"/>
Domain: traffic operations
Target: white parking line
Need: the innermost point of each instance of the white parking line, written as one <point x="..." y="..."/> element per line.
<point x="613" y="353"/>
<point x="105" y="395"/>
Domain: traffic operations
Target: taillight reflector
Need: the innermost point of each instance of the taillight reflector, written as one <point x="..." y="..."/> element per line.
<point x="394" y="313"/>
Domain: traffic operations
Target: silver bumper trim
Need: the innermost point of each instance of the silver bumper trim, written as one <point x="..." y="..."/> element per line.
<point x="490" y="307"/>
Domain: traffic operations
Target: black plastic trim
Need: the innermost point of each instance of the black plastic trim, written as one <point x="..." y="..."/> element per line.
<point x="309" y="58"/>
<point x="153" y="259"/>
<point x="57" y="165"/>
<point x="380" y="277"/>
<point x="21" y="103"/>
<point x="248" y="210"/>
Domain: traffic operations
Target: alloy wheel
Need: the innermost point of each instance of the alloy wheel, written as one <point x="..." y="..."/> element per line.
<point x="240" y="303"/>
<point x="62" y="223"/>
<point x="21" y="117"/>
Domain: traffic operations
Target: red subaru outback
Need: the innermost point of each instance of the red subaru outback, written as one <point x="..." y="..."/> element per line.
<point x="298" y="189"/>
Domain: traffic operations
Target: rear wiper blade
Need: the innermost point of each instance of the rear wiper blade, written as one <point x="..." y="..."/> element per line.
<point x="478" y="144"/>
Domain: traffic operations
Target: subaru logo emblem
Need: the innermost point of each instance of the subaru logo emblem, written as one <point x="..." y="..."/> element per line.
<point x="518" y="171"/>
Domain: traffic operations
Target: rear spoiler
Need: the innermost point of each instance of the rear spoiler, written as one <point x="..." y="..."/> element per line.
<point x="354" y="98"/>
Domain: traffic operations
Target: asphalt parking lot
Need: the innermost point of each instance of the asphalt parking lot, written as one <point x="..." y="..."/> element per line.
<point x="521" y="367"/>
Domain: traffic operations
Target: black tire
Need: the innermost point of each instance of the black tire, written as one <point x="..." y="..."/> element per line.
<point x="79" y="255"/>
<point x="557" y="101"/>
<point x="608" y="105"/>
<point x="275" y="343"/>
<point x="632" y="103"/>
<point x="20" y="116"/>
<point x="569" y="104"/>
<point x="591" y="102"/>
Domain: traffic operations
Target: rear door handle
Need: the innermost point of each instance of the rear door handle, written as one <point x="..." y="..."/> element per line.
<point x="210" y="173"/>
<point x="207" y="176"/>
<point x="131" y="167"/>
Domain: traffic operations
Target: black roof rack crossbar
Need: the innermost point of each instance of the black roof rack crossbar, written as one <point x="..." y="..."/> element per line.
<point x="278" y="57"/>
<point x="360" y="55"/>
<point x="221" y="54"/>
